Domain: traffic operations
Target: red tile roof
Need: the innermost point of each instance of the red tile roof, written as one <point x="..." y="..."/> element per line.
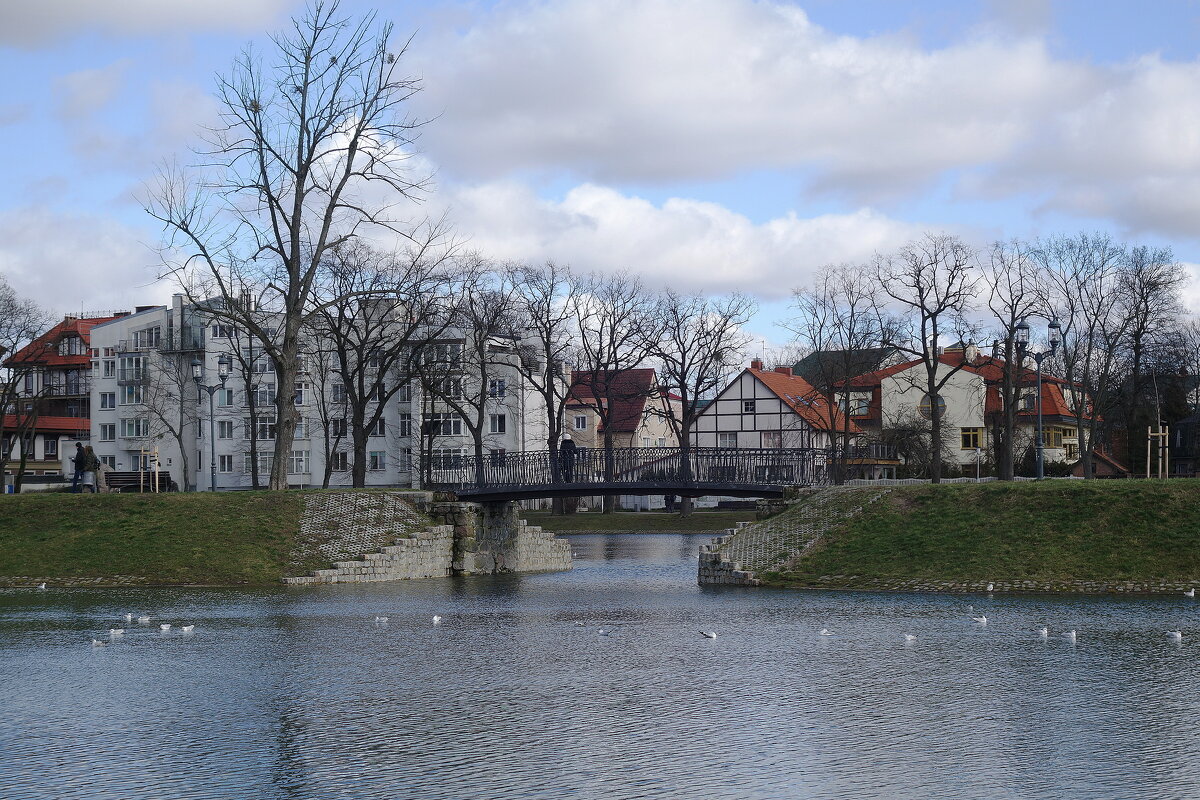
<point x="626" y="390"/>
<point x="45" y="424"/>
<point x="803" y="398"/>
<point x="43" y="350"/>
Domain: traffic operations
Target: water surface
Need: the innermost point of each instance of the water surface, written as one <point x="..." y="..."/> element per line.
<point x="298" y="693"/>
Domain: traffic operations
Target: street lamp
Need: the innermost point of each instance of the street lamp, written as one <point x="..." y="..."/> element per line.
<point x="223" y="363"/>
<point x="1054" y="336"/>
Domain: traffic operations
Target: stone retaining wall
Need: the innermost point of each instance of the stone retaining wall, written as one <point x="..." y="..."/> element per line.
<point x="876" y="584"/>
<point x="716" y="570"/>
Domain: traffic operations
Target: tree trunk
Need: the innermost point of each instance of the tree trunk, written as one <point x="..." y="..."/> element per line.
<point x="609" y="503"/>
<point x="358" y="474"/>
<point x="285" y="406"/>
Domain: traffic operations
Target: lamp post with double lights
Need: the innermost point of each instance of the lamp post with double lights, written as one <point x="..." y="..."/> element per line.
<point x="223" y="364"/>
<point x="1054" y="335"/>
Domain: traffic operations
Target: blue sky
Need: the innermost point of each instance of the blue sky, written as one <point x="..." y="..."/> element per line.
<point x="711" y="144"/>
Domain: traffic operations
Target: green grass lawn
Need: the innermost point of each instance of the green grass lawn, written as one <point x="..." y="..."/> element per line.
<point x="1055" y="530"/>
<point x="194" y="538"/>
<point x="641" y="521"/>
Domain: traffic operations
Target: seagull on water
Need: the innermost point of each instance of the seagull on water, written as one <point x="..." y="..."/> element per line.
<point x="381" y="619"/>
<point x="143" y="620"/>
<point x="990" y="587"/>
<point x="188" y="628"/>
<point x="603" y="632"/>
<point x="1044" y="632"/>
<point x="116" y="631"/>
<point x="1189" y="593"/>
<point x="908" y="637"/>
<point x="825" y="632"/>
<point x="437" y="620"/>
<point x="129" y="617"/>
<point x="980" y="620"/>
<point x="166" y="626"/>
<point x="98" y="643"/>
<point x="709" y="634"/>
<point x="579" y="623"/>
<point x="1070" y="636"/>
<point x="42" y="586"/>
<point x="1176" y="636"/>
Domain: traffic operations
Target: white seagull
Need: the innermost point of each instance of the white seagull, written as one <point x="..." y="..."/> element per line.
<point x="98" y="643"/>
<point x="1176" y="636"/>
<point x="1044" y="632"/>
<point x="1070" y="636"/>
<point x="166" y="626"/>
<point x="908" y="637"/>
<point x="129" y="617"/>
<point x="1189" y="593"/>
<point x="603" y="632"/>
<point x="709" y="634"/>
<point x="825" y="632"/>
<point x="381" y="619"/>
<point x="990" y="587"/>
<point x="188" y="628"/>
<point x="41" y="586"/>
<point x="579" y="623"/>
<point x="980" y="620"/>
<point x="437" y="620"/>
<point x="116" y="631"/>
<point x="143" y="620"/>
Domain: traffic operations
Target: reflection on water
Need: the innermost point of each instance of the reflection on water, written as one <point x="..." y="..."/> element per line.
<point x="298" y="693"/>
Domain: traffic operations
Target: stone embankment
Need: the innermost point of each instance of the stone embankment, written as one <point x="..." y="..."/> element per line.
<point x="736" y="558"/>
<point x="393" y="540"/>
<point x="873" y="584"/>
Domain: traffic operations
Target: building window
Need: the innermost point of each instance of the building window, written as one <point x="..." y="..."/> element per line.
<point x="338" y="393"/>
<point x="109" y="461"/>
<point x="971" y="438"/>
<point x="301" y="429"/>
<point x="337" y="427"/>
<point x="338" y="462"/>
<point x="496" y="423"/>
<point x="443" y="425"/>
<point x="225" y="431"/>
<point x="132" y="395"/>
<point x="446" y="458"/>
<point x="265" y="462"/>
<point x="225" y="398"/>
<point x="110" y="368"/>
<point x="581" y="422"/>
<point x="446" y="356"/>
<point x="497" y="387"/>
<point x="747" y="406"/>
<point x="225" y="464"/>
<point x="376" y="429"/>
<point x="925" y="407"/>
<point x="264" y="394"/>
<point x="406" y="424"/>
<point x="222" y="332"/>
<point x="404" y="393"/>
<point x="376" y="460"/>
<point x="133" y="368"/>
<point x="147" y="339"/>
<point x="451" y="388"/>
<point x="50" y="447"/>
<point x="727" y="440"/>
<point x="133" y="427"/>
<point x="265" y="428"/>
<point x="71" y="346"/>
<point x="301" y="390"/>
<point x="1054" y="438"/>
<point x="373" y="358"/>
<point x="108" y="432"/>
<point x="771" y="439"/>
<point x="859" y="406"/>
<point x="1028" y="402"/>
<point x="298" y="463"/>
<point x="108" y="400"/>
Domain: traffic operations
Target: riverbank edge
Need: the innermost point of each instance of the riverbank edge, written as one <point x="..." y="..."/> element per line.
<point x="854" y="583"/>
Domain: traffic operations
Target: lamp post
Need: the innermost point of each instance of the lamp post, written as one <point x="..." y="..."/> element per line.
<point x="223" y="363"/>
<point x="1054" y="335"/>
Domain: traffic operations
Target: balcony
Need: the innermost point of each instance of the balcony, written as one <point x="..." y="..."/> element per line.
<point x="185" y="340"/>
<point x="131" y="375"/>
<point x="74" y="388"/>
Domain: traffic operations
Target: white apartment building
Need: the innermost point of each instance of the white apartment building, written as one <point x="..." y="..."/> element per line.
<point x="148" y="410"/>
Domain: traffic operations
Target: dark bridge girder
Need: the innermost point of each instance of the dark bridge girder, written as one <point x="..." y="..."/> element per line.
<point x="592" y="489"/>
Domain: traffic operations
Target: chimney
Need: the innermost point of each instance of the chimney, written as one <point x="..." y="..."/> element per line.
<point x="756" y="364"/>
<point x="784" y="371"/>
<point x="971" y="353"/>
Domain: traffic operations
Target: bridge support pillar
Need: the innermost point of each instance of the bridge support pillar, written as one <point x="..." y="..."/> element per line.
<point x="490" y="538"/>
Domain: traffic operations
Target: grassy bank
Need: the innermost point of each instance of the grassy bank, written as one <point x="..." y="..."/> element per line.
<point x="637" y="521"/>
<point x="1050" y="531"/>
<point x="201" y="538"/>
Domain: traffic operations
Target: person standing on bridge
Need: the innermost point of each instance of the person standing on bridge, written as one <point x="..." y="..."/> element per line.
<point x="566" y="459"/>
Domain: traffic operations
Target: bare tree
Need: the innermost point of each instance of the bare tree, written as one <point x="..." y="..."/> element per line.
<point x="545" y="334"/>
<point x="1086" y="274"/>
<point x="330" y="404"/>
<point x="701" y="341"/>
<point x="21" y="321"/>
<point x="1016" y="290"/>
<point x="312" y="152"/>
<point x="165" y="396"/>
<point x="381" y="308"/>
<point x="617" y="329"/>
<point x="932" y="280"/>
<point x="839" y="320"/>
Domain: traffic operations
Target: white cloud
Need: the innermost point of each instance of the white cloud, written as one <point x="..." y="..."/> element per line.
<point x="32" y="24"/>
<point x="74" y="262"/>
<point x="87" y="91"/>
<point x="683" y="243"/>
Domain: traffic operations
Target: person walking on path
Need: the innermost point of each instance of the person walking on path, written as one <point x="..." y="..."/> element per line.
<point x="91" y="465"/>
<point x="80" y="461"/>
<point x="566" y="458"/>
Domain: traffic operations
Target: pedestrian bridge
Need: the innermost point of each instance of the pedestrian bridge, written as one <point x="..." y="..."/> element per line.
<point x="723" y="471"/>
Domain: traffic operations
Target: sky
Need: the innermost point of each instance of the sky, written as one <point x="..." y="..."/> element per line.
<point x="711" y="145"/>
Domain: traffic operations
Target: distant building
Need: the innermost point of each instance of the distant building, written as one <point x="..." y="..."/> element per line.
<point x="54" y="399"/>
<point x="640" y="415"/>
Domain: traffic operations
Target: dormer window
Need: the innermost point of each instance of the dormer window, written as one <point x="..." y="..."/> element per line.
<point x="71" y="346"/>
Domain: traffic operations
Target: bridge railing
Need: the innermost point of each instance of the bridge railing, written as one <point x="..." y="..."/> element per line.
<point x="645" y="466"/>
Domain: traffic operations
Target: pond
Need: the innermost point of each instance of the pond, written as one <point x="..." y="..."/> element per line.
<point x="301" y="693"/>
